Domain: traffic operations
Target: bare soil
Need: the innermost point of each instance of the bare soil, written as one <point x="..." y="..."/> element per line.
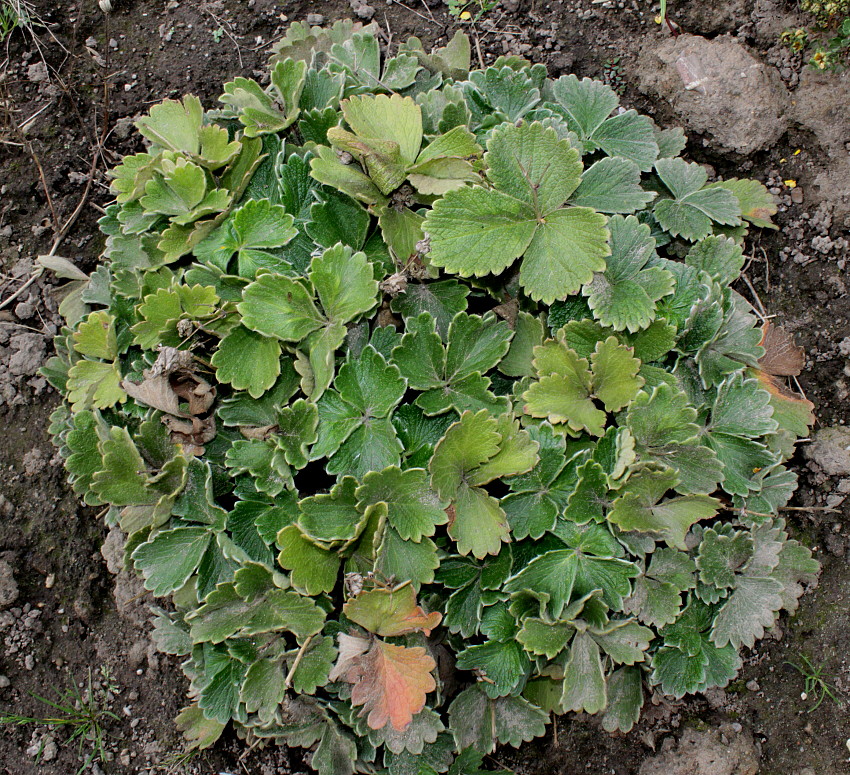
<point x="64" y="615"/>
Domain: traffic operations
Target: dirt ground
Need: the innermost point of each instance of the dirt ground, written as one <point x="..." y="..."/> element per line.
<point x="64" y="612"/>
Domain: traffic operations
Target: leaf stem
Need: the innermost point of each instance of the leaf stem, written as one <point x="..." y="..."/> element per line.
<point x="287" y="682"/>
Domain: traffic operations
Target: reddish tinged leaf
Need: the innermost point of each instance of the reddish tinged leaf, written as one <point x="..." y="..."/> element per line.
<point x="782" y="356"/>
<point x="389" y="612"/>
<point x="390" y="682"/>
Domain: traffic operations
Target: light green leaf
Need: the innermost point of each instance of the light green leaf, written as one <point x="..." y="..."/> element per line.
<point x="532" y="165"/>
<point x="615" y="374"/>
<point x="94" y="384"/>
<point x="247" y="360"/>
<point x="475" y="231"/>
<point x="174" y="125"/>
<point x="280" y="307"/>
<point x="468" y="443"/>
<point x="95" y="336"/>
<point x="567" y="248"/>
<point x="393" y="118"/>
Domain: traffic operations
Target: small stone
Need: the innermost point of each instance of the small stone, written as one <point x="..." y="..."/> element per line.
<point x="753" y="686"/>
<point x="8" y="585"/>
<point x="797" y="195"/>
<point x="5" y="683"/>
<point x="315" y="19"/>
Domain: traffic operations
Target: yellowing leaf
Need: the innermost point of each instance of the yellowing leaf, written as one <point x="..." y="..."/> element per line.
<point x="390" y="612"/>
<point x="390" y="682"/>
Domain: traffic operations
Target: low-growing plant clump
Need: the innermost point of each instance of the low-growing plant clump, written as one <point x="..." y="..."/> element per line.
<point x="423" y="396"/>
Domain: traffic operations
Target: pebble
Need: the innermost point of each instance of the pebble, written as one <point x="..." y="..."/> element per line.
<point x="5" y="683"/>
<point x="315" y="19"/>
<point x="797" y="195"/>
<point x="753" y="686"/>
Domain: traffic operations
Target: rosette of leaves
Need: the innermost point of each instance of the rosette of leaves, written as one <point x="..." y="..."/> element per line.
<point x="392" y="365"/>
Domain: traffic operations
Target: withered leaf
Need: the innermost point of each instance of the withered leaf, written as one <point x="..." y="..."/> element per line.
<point x="390" y="682"/>
<point x="782" y="356"/>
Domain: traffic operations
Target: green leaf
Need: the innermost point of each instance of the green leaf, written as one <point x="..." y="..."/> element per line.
<point x="252" y="604"/>
<point x="476" y="231"/>
<point x="505" y="666"/>
<point x="468" y="443"/>
<point x="528" y="334"/>
<point x="414" y="510"/>
<point x="338" y="219"/>
<point x="641" y="507"/>
<point x="169" y="558"/>
<point x="612" y="185"/>
<point x="345" y="284"/>
<point x="312" y="570"/>
<point x="442" y="300"/>
<point x="549" y="579"/>
<point x="247" y="361"/>
<point x="721" y="258"/>
<point x="584" y="678"/>
<point x="315" y="666"/>
<point x="693" y="208"/>
<point x="334" y="516"/>
<point x="586" y="106"/>
<point x="336" y="752"/>
<point x="122" y="480"/>
<point x="396" y="558"/>
<point x="720" y="555"/>
<point x="543" y="638"/>
<point x="480" y="722"/>
<point x="370" y="384"/>
<point x="263" y="689"/>
<point x="625" y="699"/>
<point x="749" y="610"/>
<point x="562" y="394"/>
<point x="296" y="431"/>
<point x="742" y="408"/>
<point x="419" y="434"/>
<point x="624" y="296"/>
<point x="264" y="461"/>
<point x="665" y="432"/>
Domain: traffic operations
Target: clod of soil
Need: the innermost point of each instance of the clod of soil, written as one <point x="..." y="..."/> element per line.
<point x="831" y="451"/>
<point x="718" y="89"/>
<point x="727" y="750"/>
